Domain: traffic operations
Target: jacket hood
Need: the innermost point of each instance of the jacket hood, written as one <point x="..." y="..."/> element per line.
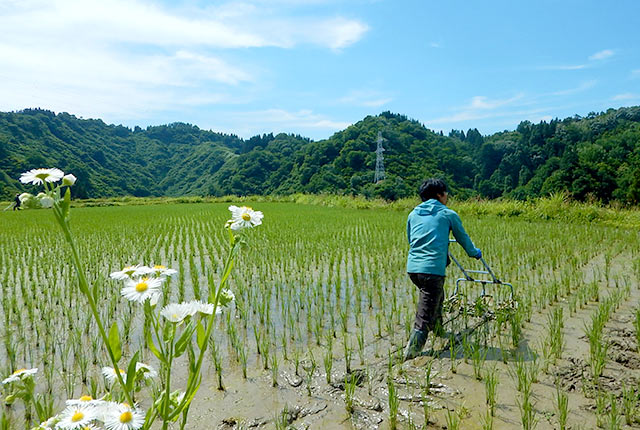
<point x="429" y="207"/>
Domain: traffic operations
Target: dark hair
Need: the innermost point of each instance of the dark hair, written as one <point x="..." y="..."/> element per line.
<point x="431" y="188"/>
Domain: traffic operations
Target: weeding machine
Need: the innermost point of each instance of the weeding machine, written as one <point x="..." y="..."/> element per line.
<point x="486" y="306"/>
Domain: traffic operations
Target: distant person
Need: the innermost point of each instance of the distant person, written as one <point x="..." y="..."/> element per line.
<point x="428" y="228"/>
<point x="17" y="202"/>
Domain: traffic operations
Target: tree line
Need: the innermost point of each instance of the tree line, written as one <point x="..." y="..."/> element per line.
<point x="596" y="157"/>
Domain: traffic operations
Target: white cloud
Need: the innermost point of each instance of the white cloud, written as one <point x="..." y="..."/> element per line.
<point x="601" y="55"/>
<point x="365" y="98"/>
<point x="582" y="87"/>
<point x="482" y="103"/>
<point x="481" y="107"/>
<point x="238" y="25"/>
<point x="625" y="96"/>
<point x="126" y="59"/>
<point x="247" y="124"/>
<point x="564" y="67"/>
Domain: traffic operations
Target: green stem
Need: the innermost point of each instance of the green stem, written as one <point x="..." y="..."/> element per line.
<point x="165" y="423"/>
<point x="194" y="376"/>
<point x="84" y="288"/>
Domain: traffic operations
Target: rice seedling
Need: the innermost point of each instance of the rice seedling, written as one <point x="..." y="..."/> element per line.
<point x="601" y="408"/>
<point x="614" y="421"/>
<point x="349" y="391"/>
<point x="486" y="420"/>
<point x="394" y="403"/>
<point x="452" y="419"/>
<point x="490" y="389"/>
<point x="478" y="357"/>
<point x="562" y="408"/>
<point x="629" y="406"/>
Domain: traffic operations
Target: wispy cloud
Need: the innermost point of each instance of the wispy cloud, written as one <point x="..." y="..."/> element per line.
<point x="480" y="107"/>
<point x="365" y="98"/>
<point x="580" y="88"/>
<point x="250" y="123"/>
<point x="602" y="55"/>
<point x="563" y="67"/>
<point x="625" y="97"/>
<point x="484" y="103"/>
<point x="598" y="56"/>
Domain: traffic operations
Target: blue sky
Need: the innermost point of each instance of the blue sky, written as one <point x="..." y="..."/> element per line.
<point x="314" y="67"/>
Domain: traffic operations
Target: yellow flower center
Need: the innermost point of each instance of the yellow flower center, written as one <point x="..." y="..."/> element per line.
<point x="86" y="398"/>
<point x="159" y="266"/>
<point x="246" y="216"/>
<point x="42" y="175"/>
<point x="175" y="316"/>
<point x="78" y="416"/>
<point x="141" y="287"/>
<point x="126" y="417"/>
<point x="18" y="371"/>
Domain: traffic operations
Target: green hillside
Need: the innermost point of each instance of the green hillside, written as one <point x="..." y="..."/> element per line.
<point x="591" y="158"/>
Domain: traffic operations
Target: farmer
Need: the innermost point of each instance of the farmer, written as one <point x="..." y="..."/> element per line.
<point x="428" y="228"/>
<point x="16" y="204"/>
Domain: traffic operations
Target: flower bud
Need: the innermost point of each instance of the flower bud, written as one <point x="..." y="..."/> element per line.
<point x="9" y="399"/>
<point x="68" y="180"/>
<point x="46" y="202"/>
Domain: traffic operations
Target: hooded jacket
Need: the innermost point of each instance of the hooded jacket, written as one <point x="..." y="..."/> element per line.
<point x="428" y="228"/>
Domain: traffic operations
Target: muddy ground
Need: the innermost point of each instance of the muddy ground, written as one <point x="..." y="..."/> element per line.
<point x="298" y="402"/>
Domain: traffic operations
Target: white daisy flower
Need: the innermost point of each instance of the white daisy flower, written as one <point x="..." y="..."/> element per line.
<point x="85" y="401"/>
<point x="110" y="374"/>
<point x="39" y="176"/>
<point x="125" y="273"/>
<point x="142" y="289"/>
<point x="242" y="217"/>
<point x="161" y="270"/>
<point x="69" y="180"/>
<point x="203" y="307"/>
<point x="147" y="371"/>
<point x="76" y="417"/>
<point x="49" y="424"/>
<point x="20" y="374"/>
<point x="123" y="417"/>
<point x="142" y="271"/>
<point x="175" y="312"/>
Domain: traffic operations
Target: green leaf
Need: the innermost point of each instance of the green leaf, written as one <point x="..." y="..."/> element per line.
<point x="184" y="340"/>
<point x="153" y="348"/>
<point x="131" y="372"/>
<point x="200" y="331"/>
<point x="114" y="342"/>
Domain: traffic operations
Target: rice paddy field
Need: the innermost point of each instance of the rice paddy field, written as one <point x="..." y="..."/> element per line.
<point x="323" y="307"/>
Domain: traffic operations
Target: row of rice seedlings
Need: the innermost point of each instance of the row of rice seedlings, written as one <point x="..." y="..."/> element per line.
<point x="190" y="238"/>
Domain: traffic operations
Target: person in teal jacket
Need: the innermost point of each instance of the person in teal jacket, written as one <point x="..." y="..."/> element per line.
<point x="428" y="227"/>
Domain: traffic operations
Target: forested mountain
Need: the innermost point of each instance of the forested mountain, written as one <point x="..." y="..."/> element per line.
<point x="595" y="157"/>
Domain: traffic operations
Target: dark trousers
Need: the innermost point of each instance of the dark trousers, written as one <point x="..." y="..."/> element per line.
<point x="429" y="313"/>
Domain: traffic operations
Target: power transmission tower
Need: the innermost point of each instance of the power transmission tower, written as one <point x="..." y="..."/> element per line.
<point x="379" y="176"/>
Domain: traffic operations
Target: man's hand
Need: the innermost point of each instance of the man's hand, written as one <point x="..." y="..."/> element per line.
<point x="479" y="254"/>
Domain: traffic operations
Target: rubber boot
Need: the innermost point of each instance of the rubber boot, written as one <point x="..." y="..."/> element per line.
<point x="416" y="342"/>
